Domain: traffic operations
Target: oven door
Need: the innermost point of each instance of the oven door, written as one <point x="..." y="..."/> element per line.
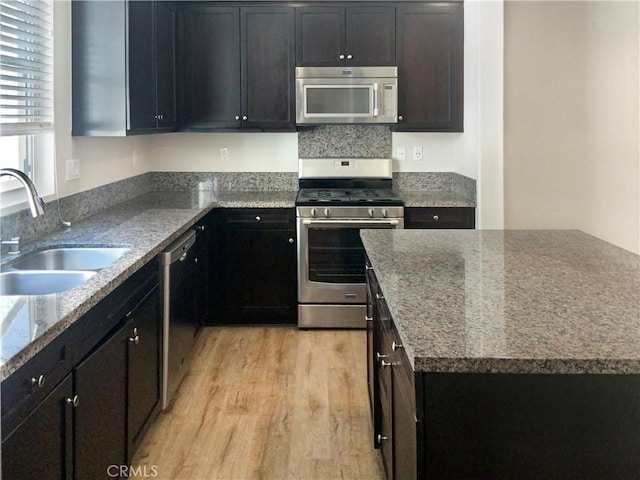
<point x="331" y="259"/>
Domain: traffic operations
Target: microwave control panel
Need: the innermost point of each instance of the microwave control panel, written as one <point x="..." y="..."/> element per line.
<point x="389" y="100"/>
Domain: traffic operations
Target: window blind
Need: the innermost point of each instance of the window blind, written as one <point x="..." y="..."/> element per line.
<point x="26" y="66"/>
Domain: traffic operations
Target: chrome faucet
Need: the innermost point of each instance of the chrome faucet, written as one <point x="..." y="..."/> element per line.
<point x="36" y="203"/>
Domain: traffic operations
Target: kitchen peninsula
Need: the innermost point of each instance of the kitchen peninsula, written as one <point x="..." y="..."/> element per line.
<point x="504" y="354"/>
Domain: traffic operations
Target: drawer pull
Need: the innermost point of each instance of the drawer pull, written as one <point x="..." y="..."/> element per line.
<point x="384" y="364"/>
<point x="38" y="382"/>
<point x="368" y="319"/>
<point x="380" y="356"/>
<point x="379" y="296"/>
<point x="436" y="218"/>
<point x="381" y="438"/>
<point x="258" y="218"/>
<point x="395" y="346"/>
<point x="74" y="402"/>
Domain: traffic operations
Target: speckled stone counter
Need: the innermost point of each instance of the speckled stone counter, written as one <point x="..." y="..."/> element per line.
<point x="146" y="224"/>
<point x="435" y="199"/>
<point x="256" y="199"/>
<point x="510" y="301"/>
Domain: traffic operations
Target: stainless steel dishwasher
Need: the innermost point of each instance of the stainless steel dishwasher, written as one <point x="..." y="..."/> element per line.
<point x="180" y="322"/>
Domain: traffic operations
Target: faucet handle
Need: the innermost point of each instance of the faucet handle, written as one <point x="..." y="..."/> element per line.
<point x="13" y="244"/>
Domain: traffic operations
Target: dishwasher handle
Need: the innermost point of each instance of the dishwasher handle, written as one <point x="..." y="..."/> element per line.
<point x="178" y="250"/>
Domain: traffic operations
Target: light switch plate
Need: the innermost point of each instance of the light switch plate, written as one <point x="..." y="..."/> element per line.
<point x="73" y="169"/>
<point x="224" y="154"/>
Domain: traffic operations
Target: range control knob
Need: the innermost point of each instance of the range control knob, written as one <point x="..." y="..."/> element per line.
<point x="327" y="212"/>
<point x="313" y="212"/>
<point x="371" y="212"/>
<point x="385" y="212"/>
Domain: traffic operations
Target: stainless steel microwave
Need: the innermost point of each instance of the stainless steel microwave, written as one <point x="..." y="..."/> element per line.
<point x="346" y="95"/>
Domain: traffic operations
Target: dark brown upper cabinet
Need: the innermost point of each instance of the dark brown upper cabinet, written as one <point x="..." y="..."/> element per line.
<point x="337" y="35"/>
<point x="237" y="67"/>
<point x="430" y="56"/>
<point x="123" y="74"/>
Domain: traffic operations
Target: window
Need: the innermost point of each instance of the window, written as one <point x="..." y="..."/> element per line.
<point x="26" y="91"/>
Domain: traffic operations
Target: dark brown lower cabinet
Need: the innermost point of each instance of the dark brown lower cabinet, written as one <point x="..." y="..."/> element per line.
<point x="259" y="266"/>
<point x="143" y="369"/>
<point x="83" y="404"/>
<point x="41" y="447"/>
<point x="439" y="217"/>
<point x="100" y="417"/>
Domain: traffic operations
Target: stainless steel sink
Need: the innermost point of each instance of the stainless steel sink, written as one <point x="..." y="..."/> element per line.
<point x="40" y="282"/>
<point x="70" y="258"/>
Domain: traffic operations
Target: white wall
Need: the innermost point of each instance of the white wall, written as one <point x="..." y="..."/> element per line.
<point x="572" y="145"/>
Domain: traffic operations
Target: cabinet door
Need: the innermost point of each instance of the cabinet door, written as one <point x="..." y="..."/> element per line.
<point x="429" y="52"/>
<point x="405" y="458"/>
<point x="260" y="268"/>
<point x="268" y="67"/>
<point x="372" y="319"/>
<point x="320" y="36"/>
<point x="165" y="39"/>
<point x="100" y="420"/>
<point x="209" y="46"/>
<point x="41" y="447"/>
<point x="142" y="89"/>
<point x="370" y="36"/>
<point x="143" y="393"/>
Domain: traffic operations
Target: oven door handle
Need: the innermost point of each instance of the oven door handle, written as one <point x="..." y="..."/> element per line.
<point x="352" y="223"/>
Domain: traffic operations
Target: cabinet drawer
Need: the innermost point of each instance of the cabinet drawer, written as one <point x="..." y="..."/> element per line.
<point x="24" y="389"/>
<point x="259" y="218"/>
<point x="439" y="217"/>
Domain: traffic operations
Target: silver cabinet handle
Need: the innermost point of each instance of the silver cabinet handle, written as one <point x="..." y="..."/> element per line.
<point x="368" y="267"/>
<point x="341" y="57"/>
<point x="395" y="346"/>
<point x="368" y="319"/>
<point x="201" y="228"/>
<point x="38" y="382"/>
<point x="379" y="296"/>
<point x="380" y="356"/>
<point x="381" y="438"/>
<point x="349" y="57"/>
<point x="74" y="402"/>
<point x="244" y="117"/>
<point x="436" y="218"/>
<point x="258" y="218"/>
<point x="291" y="240"/>
<point x="400" y="118"/>
<point x="237" y="117"/>
<point x="136" y="338"/>
<point x="384" y="364"/>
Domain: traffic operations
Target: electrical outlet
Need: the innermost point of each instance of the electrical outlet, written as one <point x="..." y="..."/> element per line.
<point x="224" y="154"/>
<point x="73" y="169"/>
<point x="401" y="153"/>
<point x="417" y="153"/>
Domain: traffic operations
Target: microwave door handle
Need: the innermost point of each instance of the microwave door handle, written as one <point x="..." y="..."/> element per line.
<point x="375" y="99"/>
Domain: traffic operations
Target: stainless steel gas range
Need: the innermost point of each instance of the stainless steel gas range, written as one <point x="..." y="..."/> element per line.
<point x="338" y="197"/>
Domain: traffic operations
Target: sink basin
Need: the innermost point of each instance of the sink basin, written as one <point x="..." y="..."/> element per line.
<point x="70" y="258"/>
<point x="40" y="282"/>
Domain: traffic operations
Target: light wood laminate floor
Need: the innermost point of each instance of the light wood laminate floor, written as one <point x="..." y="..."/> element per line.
<point x="268" y="403"/>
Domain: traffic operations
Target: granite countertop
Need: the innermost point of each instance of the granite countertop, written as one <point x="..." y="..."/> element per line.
<point x="510" y="301"/>
<point x="434" y="199"/>
<point x="283" y="199"/>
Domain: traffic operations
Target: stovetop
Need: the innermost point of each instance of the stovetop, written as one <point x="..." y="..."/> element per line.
<point x="347" y="197"/>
